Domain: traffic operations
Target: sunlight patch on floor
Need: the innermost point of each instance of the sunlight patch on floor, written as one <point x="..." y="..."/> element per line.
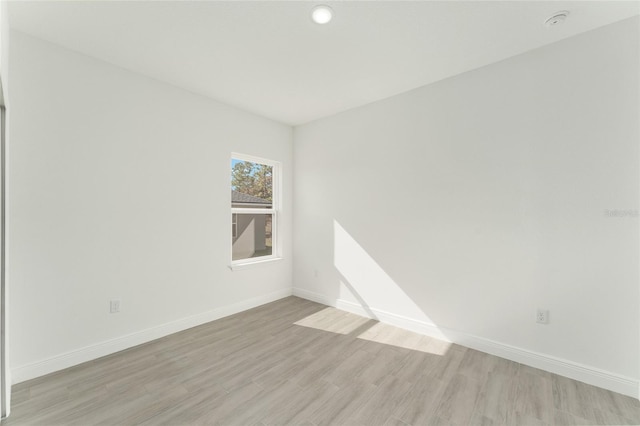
<point x="341" y="322"/>
<point x="390" y="335"/>
<point x="334" y="321"/>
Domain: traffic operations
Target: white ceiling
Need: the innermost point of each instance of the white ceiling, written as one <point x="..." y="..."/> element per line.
<point x="267" y="57"/>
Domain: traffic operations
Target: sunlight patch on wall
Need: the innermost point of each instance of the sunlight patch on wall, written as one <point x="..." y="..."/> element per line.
<point x="367" y="281"/>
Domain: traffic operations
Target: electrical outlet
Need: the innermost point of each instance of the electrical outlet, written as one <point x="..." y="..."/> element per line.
<point x="542" y="316"/>
<point x="114" y="306"/>
<point x="316" y="273"/>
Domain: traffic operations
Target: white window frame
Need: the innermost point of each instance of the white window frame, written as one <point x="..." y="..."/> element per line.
<point x="274" y="211"/>
<point x="234" y="225"/>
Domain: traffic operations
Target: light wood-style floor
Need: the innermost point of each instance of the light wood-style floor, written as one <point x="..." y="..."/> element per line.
<point x="297" y="362"/>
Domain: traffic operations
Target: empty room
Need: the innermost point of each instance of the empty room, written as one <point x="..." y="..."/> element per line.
<point x="320" y="213"/>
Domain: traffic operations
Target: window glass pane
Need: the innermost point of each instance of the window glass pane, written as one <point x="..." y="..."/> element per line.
<point x="251" y="185"/>
<point x="253" y="236"/>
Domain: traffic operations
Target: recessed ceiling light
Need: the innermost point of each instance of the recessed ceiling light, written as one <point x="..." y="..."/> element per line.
<point x="321" y="14"/>
<point x="557" y="18"/>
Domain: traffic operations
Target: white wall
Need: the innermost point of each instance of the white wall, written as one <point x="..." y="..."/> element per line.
<point x="5" y="379"/>
<point x="4" y="44"/>
<point x="119" y="187"/>
<point x="471" y="202"/>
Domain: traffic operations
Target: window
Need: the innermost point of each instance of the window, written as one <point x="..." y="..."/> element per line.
<point x="254" y="209"/>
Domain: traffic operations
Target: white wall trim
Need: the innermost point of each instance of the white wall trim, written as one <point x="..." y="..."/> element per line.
<point x="573" y="370"/>
<point x="88" y="353"/>
<point x="314" y="297"/>
<point x="584" y="373"/>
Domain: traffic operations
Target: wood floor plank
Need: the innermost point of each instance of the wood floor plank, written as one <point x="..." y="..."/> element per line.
<point x="611" y="402"/>
<point x="387" y="398"/>
<point x="562" y="418"/>
<point x="457" y="402"/>
<point x="533" y="394"/>
<point x="572" y="397"/>
<point x="392" y="421"/>
<point x="490" y="407"/>
<point x="421" y="401"/>
<point x="340" y="409"/>
<point x="316" y="397"/>
<point x="301" y="363"/>
<point x="387" y="361"/>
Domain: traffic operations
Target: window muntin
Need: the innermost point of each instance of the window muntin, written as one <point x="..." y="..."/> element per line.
<point x="254" y="208"/>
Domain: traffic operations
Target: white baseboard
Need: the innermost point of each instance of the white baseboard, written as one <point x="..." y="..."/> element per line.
<point x="584" y="373"/>
<point x="315" y="297"/>
<point x="88" y="353"/>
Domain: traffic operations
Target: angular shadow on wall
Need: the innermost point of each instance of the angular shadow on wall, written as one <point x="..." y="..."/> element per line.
<point x="371" y="286"/>
<point x="363" y="303"/>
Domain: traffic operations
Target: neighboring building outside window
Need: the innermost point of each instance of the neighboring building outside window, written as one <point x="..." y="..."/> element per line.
<point x="254" y="208"/>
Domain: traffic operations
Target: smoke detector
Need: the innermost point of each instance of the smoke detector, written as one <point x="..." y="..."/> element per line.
<point x="557" y="18"/>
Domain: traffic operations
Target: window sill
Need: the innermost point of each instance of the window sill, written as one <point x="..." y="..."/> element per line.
<point x="248" y="265"/>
